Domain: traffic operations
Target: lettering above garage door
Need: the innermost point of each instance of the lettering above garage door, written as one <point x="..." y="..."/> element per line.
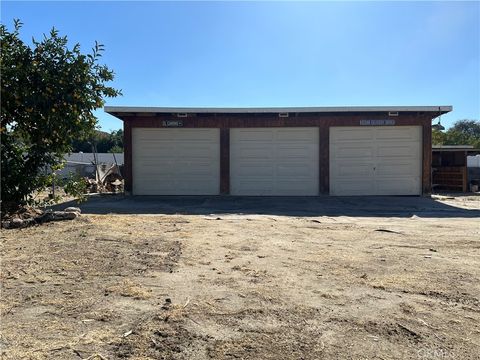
<point x="387" y="122"/>
<point x="172" y="123"/>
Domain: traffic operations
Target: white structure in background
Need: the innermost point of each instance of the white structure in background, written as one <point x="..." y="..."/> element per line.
<point x="473" y="168"/>
<point x="473" y="161"/>
<point x="83" y="163"/>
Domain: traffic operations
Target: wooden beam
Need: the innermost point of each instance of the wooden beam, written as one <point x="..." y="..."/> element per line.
<point x="427" y="157"/>
<point x="127" y="149"/>
<point x="324" y="159"/>
<point x="224" y="161"/>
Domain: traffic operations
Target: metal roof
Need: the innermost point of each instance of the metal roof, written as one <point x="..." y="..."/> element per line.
<point x="452" y="147"/>
<point x="118" y="110"/>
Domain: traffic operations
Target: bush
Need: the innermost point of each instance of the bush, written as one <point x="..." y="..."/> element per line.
<point x="75" y="186"/>
<point x="49" y="92"/>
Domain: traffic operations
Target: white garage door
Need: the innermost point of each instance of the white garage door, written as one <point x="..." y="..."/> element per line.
<point x="274" y="161"/>
<point x="176" y="161"/>
<point x="375" y="160"/>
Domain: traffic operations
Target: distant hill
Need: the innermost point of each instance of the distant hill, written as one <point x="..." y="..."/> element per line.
<point x="101" y="142"/>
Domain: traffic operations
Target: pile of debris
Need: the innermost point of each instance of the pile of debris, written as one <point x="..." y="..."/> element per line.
<point x="107" y="179"/>
<point x="28" y="216"/>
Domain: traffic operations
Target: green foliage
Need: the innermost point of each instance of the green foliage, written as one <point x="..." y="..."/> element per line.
<point x="75" y="186"/>
<point x="49" y="92"/>
<point x="116" y="149"/>
<point x="101" y="142"/>
<point x="438" y="137"/>
<point x="463" y="132"/>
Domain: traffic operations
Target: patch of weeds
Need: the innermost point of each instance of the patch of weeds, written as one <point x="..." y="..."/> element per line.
<point x="128" y="288"/>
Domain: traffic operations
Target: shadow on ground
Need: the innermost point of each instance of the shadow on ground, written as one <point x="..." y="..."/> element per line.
<point x="372" y="206"/>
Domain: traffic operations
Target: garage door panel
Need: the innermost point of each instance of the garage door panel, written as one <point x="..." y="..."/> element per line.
<point x="157" y="149"/>
<point x="196" y="187"/>
<point x="294" y="170"/>
<point x="168" y="150"/>
<point x="251" y="169"/>
<point x="294" y="187"/>
<point x="396" y="133"/>
<point x="156" y="146"/>
<point x="295" y="152"/>
<point x="274" y="161"/>
<point x="194" y="170"/>
<point x="388" y="164"/>
<point x="398" y="186"/>
<point x="347" y="134"/>
<point x="409" y="150"/>
<point x="355" y="151"/>
<point x="255" y="152"/>
<point x="183" y="166"/>
<point x="352" y="169"/>
<point x="395" y="170"/>
<point x="176" y="161"/>
<point x="193" y="151"/>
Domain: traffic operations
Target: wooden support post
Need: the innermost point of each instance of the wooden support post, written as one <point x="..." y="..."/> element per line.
<point x="427" y="157"/>
<point x="324" y="159"/>
<point x="224" y="161"/>
<point x="127" y="150"/>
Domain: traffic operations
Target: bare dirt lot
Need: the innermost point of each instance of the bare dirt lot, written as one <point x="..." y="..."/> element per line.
<point x="233" y="285"/>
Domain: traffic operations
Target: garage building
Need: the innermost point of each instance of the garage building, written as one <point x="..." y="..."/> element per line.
<point x="278" y="151"/>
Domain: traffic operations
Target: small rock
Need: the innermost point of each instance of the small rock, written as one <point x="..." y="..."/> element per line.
<point x="16" y="223"/>
<point x="62" y="215"/>
<point x="166" y="305"/>
<point x="73" y="209"/>
<point x="29" y="222"/>
<point x="161" y="333"/>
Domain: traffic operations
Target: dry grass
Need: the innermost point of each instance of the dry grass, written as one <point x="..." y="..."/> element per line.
<point x="251" y="287"/>
<point x="128" y="288"/>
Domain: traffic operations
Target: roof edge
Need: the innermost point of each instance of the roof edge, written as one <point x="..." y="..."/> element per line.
<point x="314" y="109"/>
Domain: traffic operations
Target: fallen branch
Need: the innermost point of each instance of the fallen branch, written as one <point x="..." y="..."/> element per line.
<point x="70" y="213"/>
<point x="389" y="231"/>
<point x="408" y="331"/>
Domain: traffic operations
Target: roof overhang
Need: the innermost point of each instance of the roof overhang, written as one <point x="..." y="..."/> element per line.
<point x="453" y="148"/>
<point x="123" y="111"/>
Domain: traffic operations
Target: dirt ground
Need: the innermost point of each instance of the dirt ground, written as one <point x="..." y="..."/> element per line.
<point x="233" y="286"/>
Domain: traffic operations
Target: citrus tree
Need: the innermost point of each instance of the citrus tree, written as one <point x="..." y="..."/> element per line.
<point x="48" y="94"/>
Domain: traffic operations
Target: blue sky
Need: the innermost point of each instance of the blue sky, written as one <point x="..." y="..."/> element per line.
<point x="275" y="53"/>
